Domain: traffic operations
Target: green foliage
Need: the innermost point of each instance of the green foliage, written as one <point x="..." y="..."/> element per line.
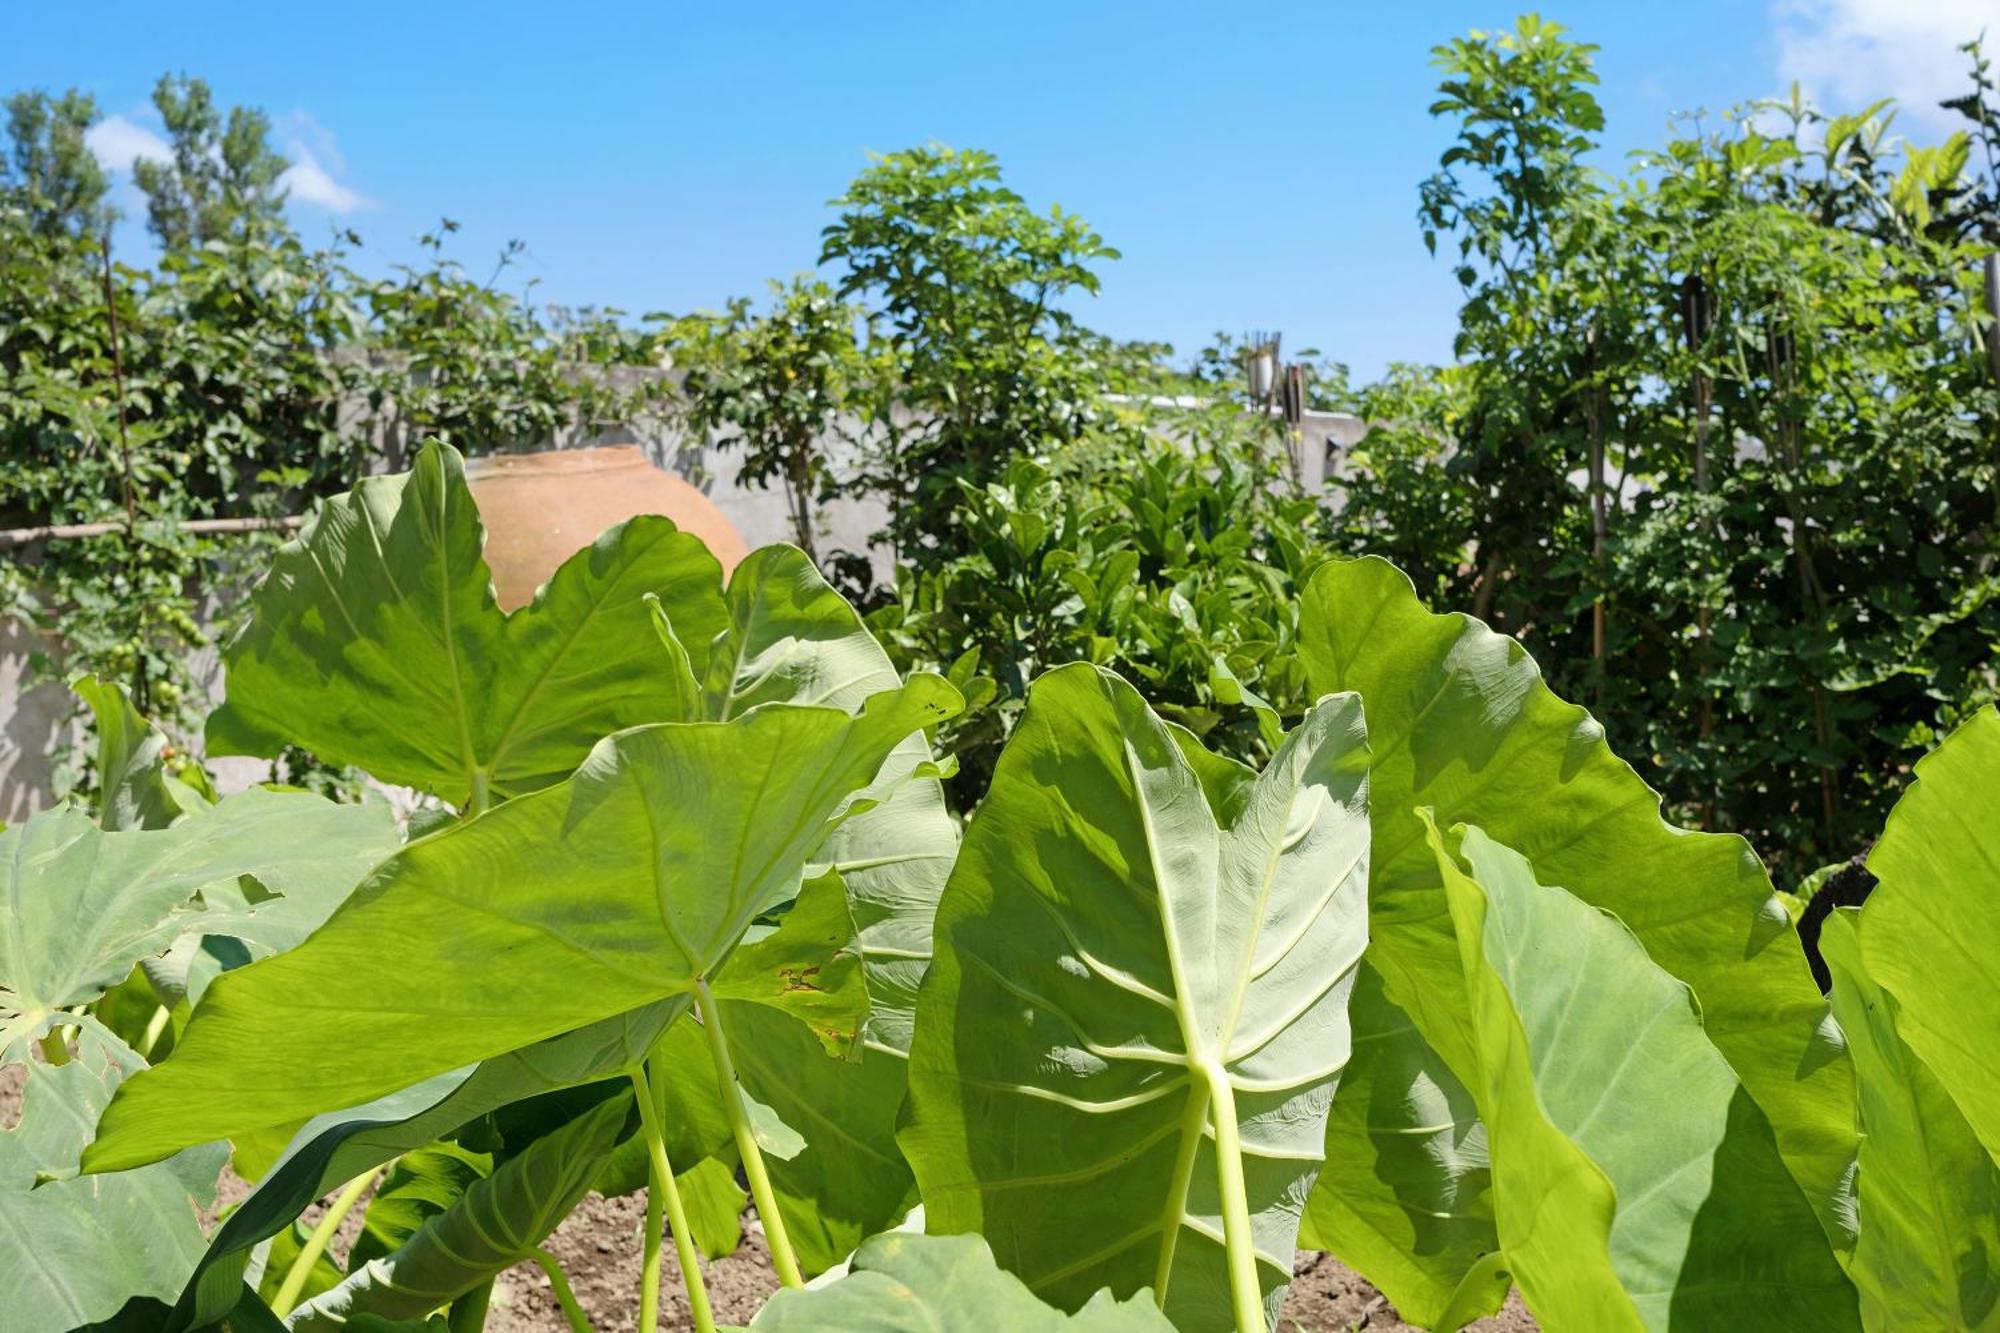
<point x="376" y="641"/>
<point x="1928" y="934"/>
<point x="1760" y="355"/>
<point x="79" y="1250"/>
<point x="51" y="184"/>
<point x="135" y="893"/>
<point x="1929" y="1193"/>
<point x="242" y="377"/>
<point x="497" y="1222"/>
<point x="1178" y="568"/>
<point x="783" y="387"/>
<point x="223" y="177"/>
<point x="1462" y="723"/>
<point x="989" y="366"/>
<point x="1913" y="988"/>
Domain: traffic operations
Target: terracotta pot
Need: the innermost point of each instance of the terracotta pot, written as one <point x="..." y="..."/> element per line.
<point x="540" y="509"/>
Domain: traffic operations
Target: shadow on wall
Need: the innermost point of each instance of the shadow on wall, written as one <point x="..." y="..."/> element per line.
<point x="33" y="726"/>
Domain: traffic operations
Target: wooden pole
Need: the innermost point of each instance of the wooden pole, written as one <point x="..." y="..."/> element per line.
<point x="71" y="531"/>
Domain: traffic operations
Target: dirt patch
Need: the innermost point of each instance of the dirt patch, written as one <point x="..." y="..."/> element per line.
<point x="13" y="1082"/>
<point x="1329" y="1297"/>
<point x="599" y="1247"/>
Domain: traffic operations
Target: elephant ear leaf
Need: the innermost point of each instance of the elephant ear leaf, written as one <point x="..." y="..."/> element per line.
<point x="79" y="1250"/>
<point x="497" y="1223"/>
<point x="1930" y="933"/>
<point x="337" y="1146"/>
<point x="622" y="886"/>
<point x="1462" y="722"/>
<point x="1131" y="1032"/>
<point x="134" y="789"/>
<point x="424" y="1182"/>
<point x="809" y="967"/>
<point x="1928" y="1255"/>
<point x="376" y="640"/>
<point x="79" y="906"/>
<point x="1636" y="1185"/>
<point x="902" y="1283"/>
<point x="793" y="639"/>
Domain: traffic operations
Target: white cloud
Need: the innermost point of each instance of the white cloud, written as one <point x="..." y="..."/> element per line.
<point x="315" y="176"/>
<point x="118" y="141"/>
<point x="1847" y="53"/>
<point x="317" y="166"/>
<point x="310" y="182"/>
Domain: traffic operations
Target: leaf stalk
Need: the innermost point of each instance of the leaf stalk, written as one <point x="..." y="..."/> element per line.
<point x="552" y="1268"/>
<point x="782" y="1257"/>
<point x="322" y="1235"/>
<point x="1245" y="1294"/>
<point x="661" y="1190"/>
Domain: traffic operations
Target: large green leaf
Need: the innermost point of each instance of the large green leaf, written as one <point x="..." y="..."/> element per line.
<point x="1130" y="1035"/>
<point x="1928" y="1253"/>
<point x="134" y="790"/>
<point x="73" y="1251"/>
<point x="1635" y="1185"/>
<point x="1931" y="933"/>
<point x="375" y="640"/>
<point x="1460" y="721"/>
<point x="79" y="907"/>
<point x="497" y="1223"/>
<point x="423" y="1183"/>
<point x="339" y="1145"/>
<point x="792" y="638"/>
<point x="919" y="1284"/>
<point x="1419" y="1218"/>
<point x="618" y="887"/>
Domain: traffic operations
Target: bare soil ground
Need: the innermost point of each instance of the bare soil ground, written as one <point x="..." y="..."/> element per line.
<point x="599" y="1248"/>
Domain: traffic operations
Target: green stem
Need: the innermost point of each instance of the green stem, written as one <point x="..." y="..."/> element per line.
<point x="662" y="1190"/>
<point x="579" y="1322"/>
<point x="1194" y="1126"/>
<point x="154" y="1027"/>
<point x="782" y="1257"/>
<point x="468" y="1312"/>
<point x="322" y="1235"/>
<point x="1245" y="1294"/>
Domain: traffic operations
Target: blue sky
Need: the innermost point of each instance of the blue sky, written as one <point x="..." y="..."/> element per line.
<point x="1257" y="165"/>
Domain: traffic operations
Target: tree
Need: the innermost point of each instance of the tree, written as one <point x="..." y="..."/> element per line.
<point x="224" y="176"/>
<point x="968" y="278"/>
<point x="49" y="179"/>
<point x="1722" y="441"/>
<point x="778" y="386"/>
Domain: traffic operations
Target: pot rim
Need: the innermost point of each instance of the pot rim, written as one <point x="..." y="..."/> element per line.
<point x="560" y="462"/>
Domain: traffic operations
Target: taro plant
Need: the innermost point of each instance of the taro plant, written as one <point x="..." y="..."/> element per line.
<point x="1436" y="989"/>
<point x="110" y="919"/>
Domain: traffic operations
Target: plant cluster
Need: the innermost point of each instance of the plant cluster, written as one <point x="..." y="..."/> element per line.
<point x="1435" y="988"/>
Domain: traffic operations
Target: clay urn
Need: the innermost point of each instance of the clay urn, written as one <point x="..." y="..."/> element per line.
<point x="542" y="508"/>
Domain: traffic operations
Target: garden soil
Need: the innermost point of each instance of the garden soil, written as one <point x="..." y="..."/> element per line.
<point x="598" y="1246"/>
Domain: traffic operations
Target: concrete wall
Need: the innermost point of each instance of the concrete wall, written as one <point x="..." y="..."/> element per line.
<point x="34" y="719"/>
